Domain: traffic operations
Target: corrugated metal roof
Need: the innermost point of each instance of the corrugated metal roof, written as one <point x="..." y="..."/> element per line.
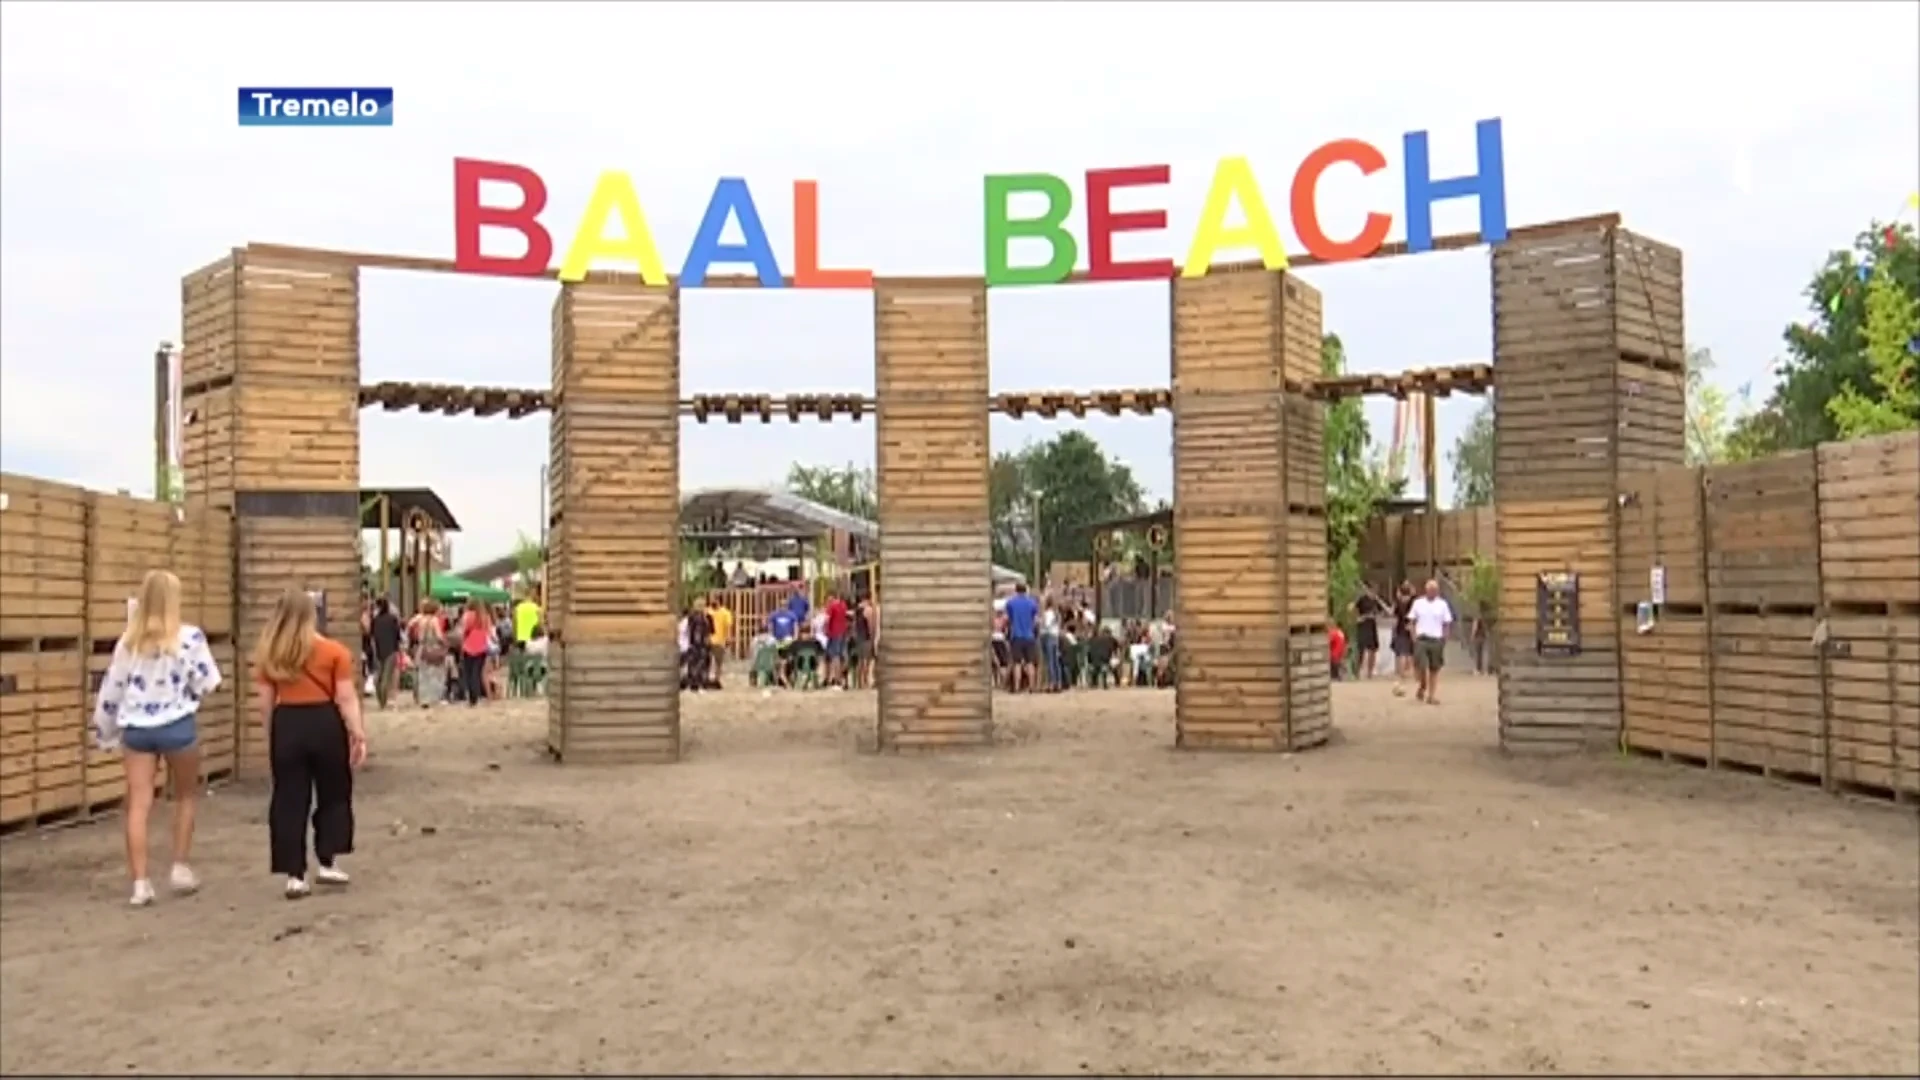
<point x="767" y="511"/>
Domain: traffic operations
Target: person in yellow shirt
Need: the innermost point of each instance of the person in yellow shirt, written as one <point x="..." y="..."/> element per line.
<point x="722" y="637"/>
<point x="526" y="618"/>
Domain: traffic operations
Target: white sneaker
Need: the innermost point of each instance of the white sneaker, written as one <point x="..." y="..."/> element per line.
<point x="297" y="888"/>
<point x="331" y="875"/>
<point x="183" y="880"/>
<point x="142" y="893"/>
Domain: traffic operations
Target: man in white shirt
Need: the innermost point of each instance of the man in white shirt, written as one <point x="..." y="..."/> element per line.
<point x="1429" y="618"/>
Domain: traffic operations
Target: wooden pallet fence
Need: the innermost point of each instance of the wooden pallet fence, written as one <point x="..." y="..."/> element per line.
<point x="1666" y="687"/>
<point x="1662" y="527"/>
<point x="1763" y="534"/>
<point x="1873" y="699"/>
<point x="43" y="702"/>
<point x="43" y="547"/>
<point x="73" y="559"/>
<point x="1768" y="703"/>
<point x="1869" y="512"/>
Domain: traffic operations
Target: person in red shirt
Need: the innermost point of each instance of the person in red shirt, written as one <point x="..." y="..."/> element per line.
<point x="476" y="631"/>
<point x="838" y="625"/>
<point x="1336" y="648"/>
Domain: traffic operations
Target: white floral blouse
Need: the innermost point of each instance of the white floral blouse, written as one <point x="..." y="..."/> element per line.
<point x="154" y="690"/>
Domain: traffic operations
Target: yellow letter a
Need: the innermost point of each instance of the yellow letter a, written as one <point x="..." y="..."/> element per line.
<point x="1234" y="177"/>
<point x="613" y="194"/>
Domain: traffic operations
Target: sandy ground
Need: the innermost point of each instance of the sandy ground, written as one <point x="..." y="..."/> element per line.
<point x="1080" y="898"/>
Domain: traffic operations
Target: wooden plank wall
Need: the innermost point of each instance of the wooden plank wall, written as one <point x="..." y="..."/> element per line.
<point x="1309" y="718"/>
<point x="1446" y="545"/>
<point x="1383" y="552"/>
<point x="70" y="559"/>
<point x="1763" y="580"/>
<point x="1587" y="329"/>
<point x="1869" y="505"/>
<point x="615" y="483"/>
<point x="930" y="379"/>
<point x="1666" y="692"/>
<point x="1234" y="534"/>
<point x="1787" y="644"/>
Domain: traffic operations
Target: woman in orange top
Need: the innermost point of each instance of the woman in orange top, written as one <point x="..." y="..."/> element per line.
<point x="310" y="709"/>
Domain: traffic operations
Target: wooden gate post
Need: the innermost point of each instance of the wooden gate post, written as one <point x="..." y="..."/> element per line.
<point x="270" y="383"/>
<point x="1589" y="355"/>
<point x="613" y="563"/>
<point x="1249" y="525"/>
<point x="930" y="382"/>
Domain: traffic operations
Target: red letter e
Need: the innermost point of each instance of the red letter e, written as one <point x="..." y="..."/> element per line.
<point x="1103" y="221"/>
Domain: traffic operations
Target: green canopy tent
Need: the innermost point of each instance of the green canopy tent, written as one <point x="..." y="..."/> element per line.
<point x="449" y="588"/>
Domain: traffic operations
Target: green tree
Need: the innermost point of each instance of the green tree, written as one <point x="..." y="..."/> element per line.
<point x="1473" y="459"/>
<point x="1070" y="482"/>
<point x="849" y="489"/>
<point x="1709" y="415"/>
<point x="1893" y="336"/>
<point x="1827" y="356"/>
<point x="528" y="557"/>
<point x="1356" y="484"/>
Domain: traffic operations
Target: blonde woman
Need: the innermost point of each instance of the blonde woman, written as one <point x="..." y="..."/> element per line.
<point x="161" y="669"/>
<point x="430" y="653"/>
<point x="316" y="737"/>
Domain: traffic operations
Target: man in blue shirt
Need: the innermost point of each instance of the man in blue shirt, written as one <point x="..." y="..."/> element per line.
<point x="781" y="625"/>
<point x="797" y="605"/>
<point x="1023" y="617"/>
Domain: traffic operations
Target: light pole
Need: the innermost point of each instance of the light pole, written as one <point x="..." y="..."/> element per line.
<point x="1033" y="500"/>
<point x="543" y="540"/>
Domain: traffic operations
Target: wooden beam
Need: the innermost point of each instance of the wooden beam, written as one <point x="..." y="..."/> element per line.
<point x="367" y="260"/>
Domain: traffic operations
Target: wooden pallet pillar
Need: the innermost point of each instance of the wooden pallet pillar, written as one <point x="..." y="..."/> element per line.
<point x="1250" y="555"/>
<point x="1589" y="351"/>
<point x="930" y="363"/>
<point x="270" y="373"/>
<point x="613" y="566"/>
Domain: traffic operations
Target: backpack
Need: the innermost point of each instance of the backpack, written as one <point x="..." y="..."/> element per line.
<point x="433" y="643"/>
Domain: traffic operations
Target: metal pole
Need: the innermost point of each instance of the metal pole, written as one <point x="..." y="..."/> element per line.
<point x="386" y="563"/>
<point x="1430" y="467"/>
<point x="1038" y="582"/>
<point x="543" y="542"/>
<point x="162" y="412"/>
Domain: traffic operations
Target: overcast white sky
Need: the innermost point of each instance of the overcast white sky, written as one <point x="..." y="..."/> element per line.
<point x="1756" y="137"/>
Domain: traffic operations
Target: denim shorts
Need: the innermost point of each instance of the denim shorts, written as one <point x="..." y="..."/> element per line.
<point x="168" y="738"/>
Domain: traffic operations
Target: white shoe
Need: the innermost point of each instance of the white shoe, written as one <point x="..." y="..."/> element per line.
<point x="142" y="893"/>
<point x="183" y="880"/>
<point x="297" y="888"/>
<point x="331" y="875"/>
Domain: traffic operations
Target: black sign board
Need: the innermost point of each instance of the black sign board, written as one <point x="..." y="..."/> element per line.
<point x="1556" y="602"/>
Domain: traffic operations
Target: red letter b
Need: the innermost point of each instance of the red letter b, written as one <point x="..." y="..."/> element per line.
<point x="469" y="217"/>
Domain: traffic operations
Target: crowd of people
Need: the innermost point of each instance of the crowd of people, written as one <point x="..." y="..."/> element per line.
<point x="1419" y="625"/>
<point x="480" y="653"/>
<point x="798" y="646"/>
<point x="1049" y="644"/>
<point x="1035" y="645"/>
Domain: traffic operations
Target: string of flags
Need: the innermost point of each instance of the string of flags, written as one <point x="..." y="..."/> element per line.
<point x="1889" y="237"/>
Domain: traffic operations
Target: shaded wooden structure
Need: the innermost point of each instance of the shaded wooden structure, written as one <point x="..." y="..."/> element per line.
<point x="412" y="524"/>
